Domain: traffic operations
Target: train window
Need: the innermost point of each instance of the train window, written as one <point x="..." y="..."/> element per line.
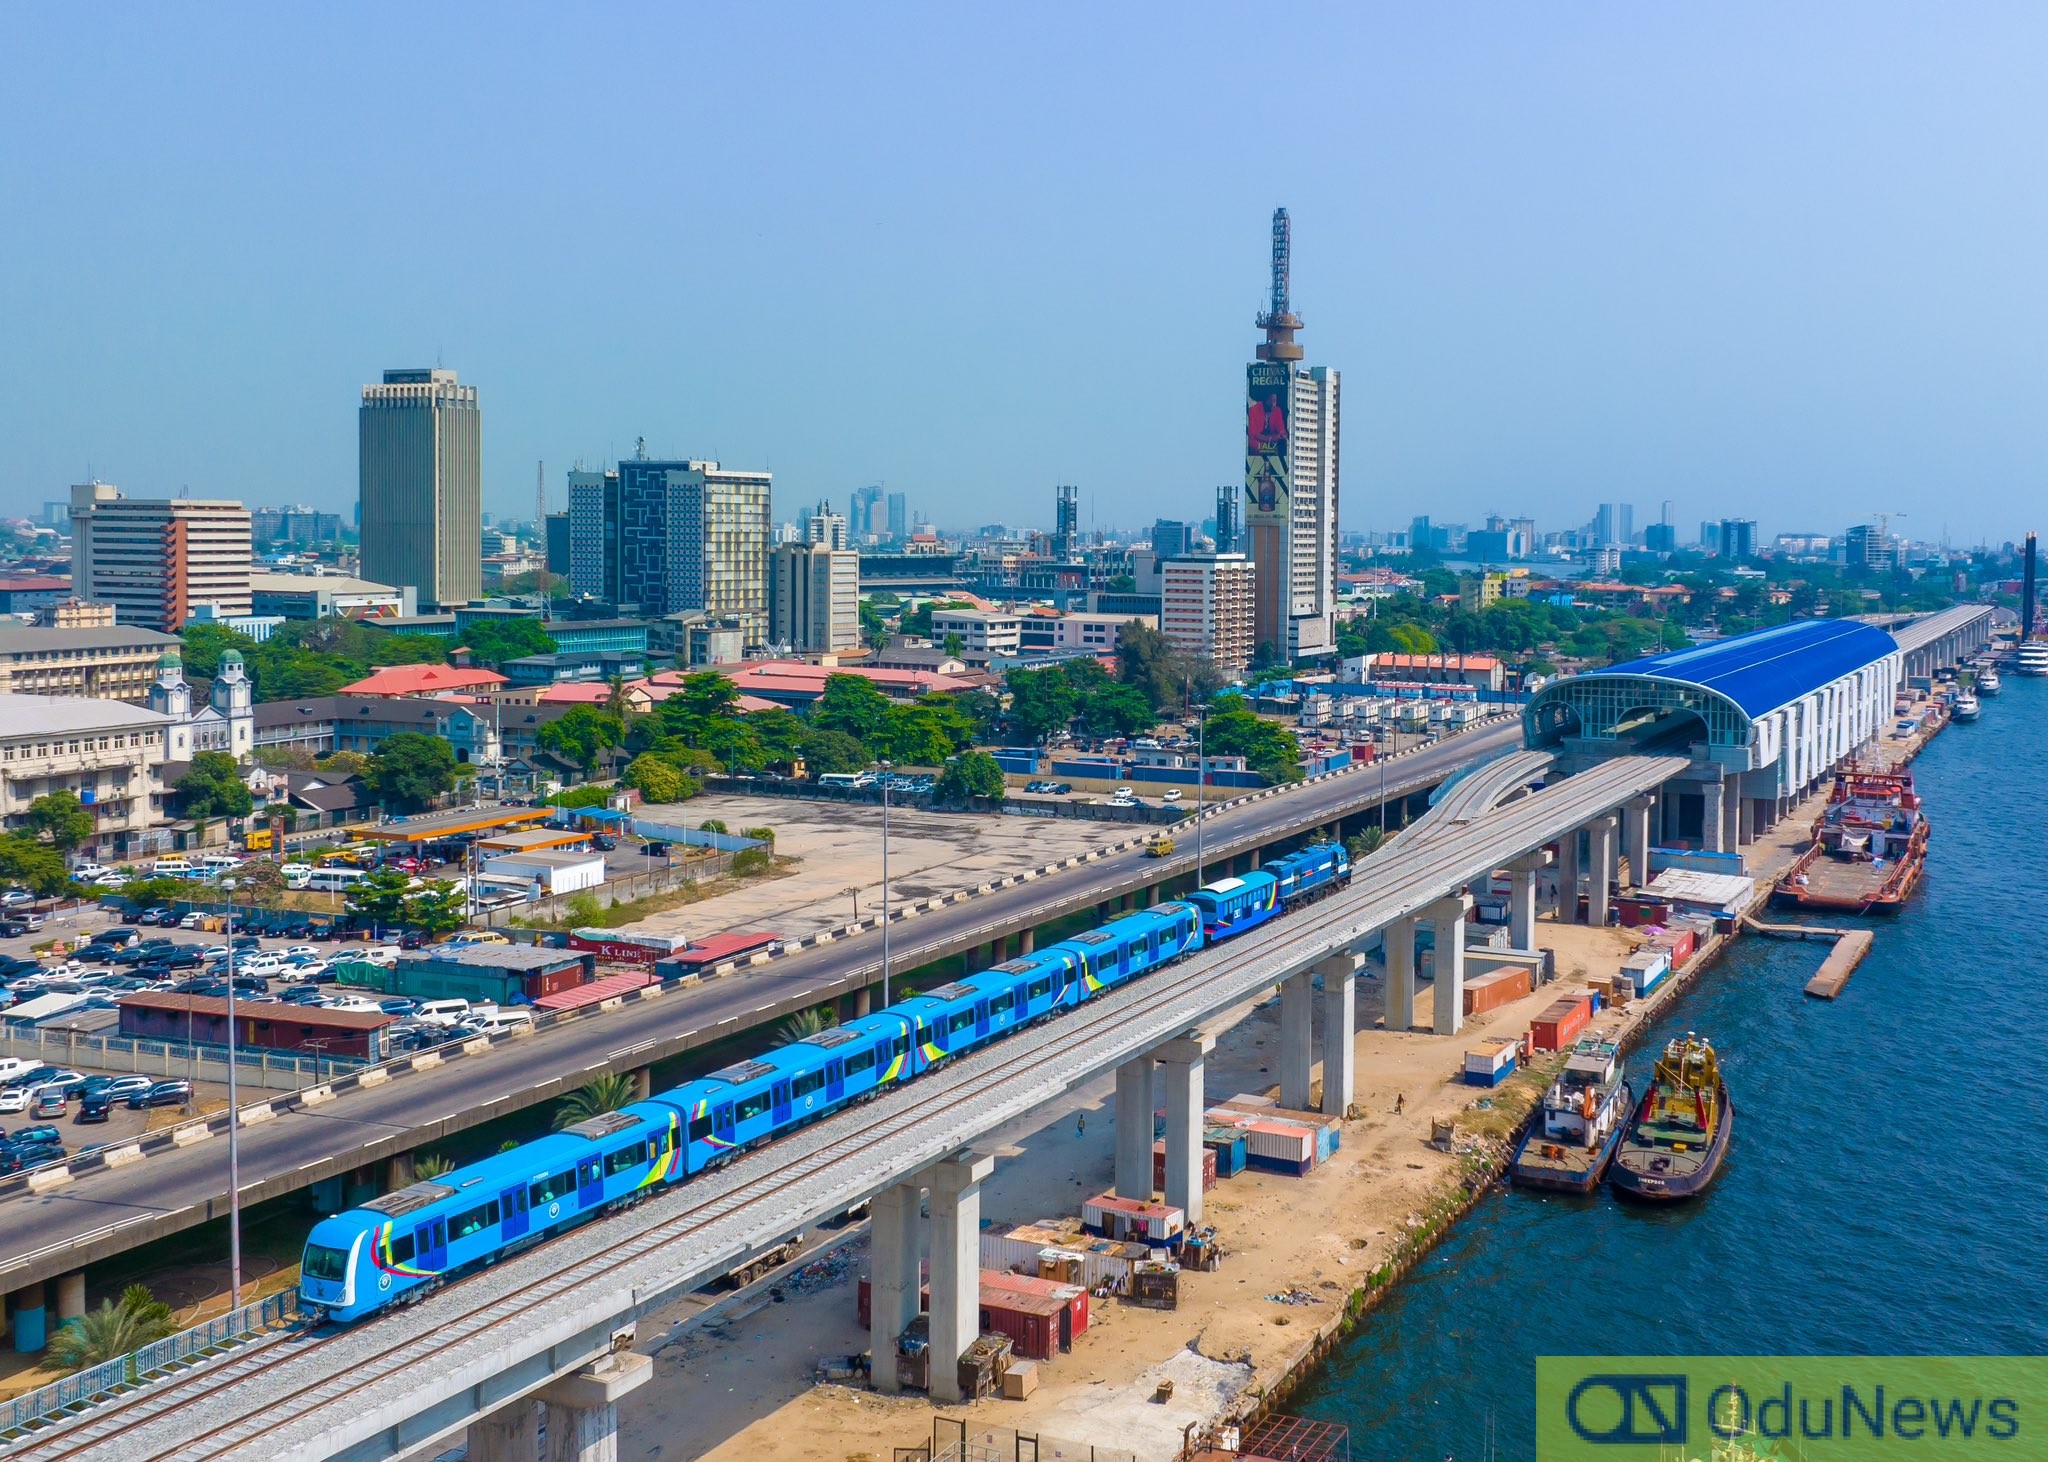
<point x="654" y="1147"/>
<point x="400" y="1246"/>
<point x="860" y="1061"/>
<point x="587" y="1171"/>
<point x="322" y="1262"/>
<point x="624" y="1160"/>
<point x="700" y="1128"/>
<point x="1039" y="990"/>
<point x="902" y="1046"/>
<point x="961" y="1021"/>
<point x="462" y="1225"/>
<point x="752" y="1106"/>
<point x="1002" y="1004"/>
<point x="807" y="1083"/>
<point x="552" y="1187"/>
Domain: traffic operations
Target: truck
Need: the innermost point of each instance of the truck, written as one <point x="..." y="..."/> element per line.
<point x="745" y="1274"/>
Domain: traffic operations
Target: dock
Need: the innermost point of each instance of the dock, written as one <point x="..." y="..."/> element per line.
<point x="1851" y="945"/>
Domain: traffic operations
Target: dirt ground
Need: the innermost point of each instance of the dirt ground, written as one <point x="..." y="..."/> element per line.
<point x="839" y="848"/>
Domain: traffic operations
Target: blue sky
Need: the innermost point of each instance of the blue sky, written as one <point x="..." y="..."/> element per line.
<point x="1776" y="261"/>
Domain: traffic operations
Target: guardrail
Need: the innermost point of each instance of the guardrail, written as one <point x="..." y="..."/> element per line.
<point x="74" y="1393"/>
<point x="53" y="1175"/>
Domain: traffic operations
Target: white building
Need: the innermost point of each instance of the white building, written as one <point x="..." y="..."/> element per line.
<point x="983" y="632"/>
<point x="1207" y="608"/>
<point x="154" y="558"/>
<point x="1100" y="633"/>
<point x="228" y="724"/>
<point x="813" y="598"/>
<point x="109" y="754"/>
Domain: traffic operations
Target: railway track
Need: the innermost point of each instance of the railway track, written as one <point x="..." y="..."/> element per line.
<point x="303" y="1378"/>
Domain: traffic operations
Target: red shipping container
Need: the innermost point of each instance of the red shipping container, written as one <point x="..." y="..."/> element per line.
<point x="1073" y="1296"/>
<point x="1159" y="1167"/>
<point x="866" y="1300"/>
<point x="1680" y="942"/>
<point x="1041" y="1317"/>
<point x="1491" y="991"/>
<point x="1634" y="913"/>
<point x="1559" y="1025"/>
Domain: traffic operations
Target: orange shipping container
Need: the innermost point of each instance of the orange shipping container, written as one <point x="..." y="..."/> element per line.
<point x="1559" y="1025"/>
<point x="1491" y="991"/>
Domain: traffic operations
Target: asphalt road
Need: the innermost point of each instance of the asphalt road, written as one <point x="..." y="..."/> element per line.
<point x="108" y="1211"/>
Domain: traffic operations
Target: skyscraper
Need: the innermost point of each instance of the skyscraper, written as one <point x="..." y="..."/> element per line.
<point x="1066" y="522"/>
<point x="420" y="485"/>
<point x="1614" y="523"/>
<point x="1228" y="513"/>
<point x="695" y="536"/>
<point x="1171" y="539"/>
<point x="814" y="598"/>
<point x="594" y="534"/>
<point x="827" y="528"/>
<point x="1291" y="478"/>
<point x="899" y="518"/>
<point x="154" y="559"/>
<point x="860" y="514"/>
<point x="1738" y="538"/>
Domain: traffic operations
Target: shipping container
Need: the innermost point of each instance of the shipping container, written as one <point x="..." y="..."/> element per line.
<point x="1645" y="968"/>
<point x="1067" y="1302"/>
<point x="611" y="987"/>
<point x="1490" y="1062"/>
<point x="1327" y="1131"/>
<point x="1560" y="1023"/>
<point x="1159" y="1166"/>
<point x="864" y="1298"/>
<point x="1156" y="1224"/>
<point x="1228" y="1145"/>
<point x="1058" y="1253"/>
<point x="1677" y="942"/>
<point x="1285" y="1147"/>
<point x="1495" y="989"/>
<point x="1636" y="913"/>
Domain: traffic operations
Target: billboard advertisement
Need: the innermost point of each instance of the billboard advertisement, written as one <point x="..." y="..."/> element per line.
<point x="1268" y="399"/>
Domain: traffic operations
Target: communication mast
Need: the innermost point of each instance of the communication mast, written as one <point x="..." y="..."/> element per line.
<point x="540" y="503"/>
<point x="1279" y="321"/>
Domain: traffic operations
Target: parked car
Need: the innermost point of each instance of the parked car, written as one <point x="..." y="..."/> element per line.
<point x="12" y="928"/>
<point x="193" y="920"/>
<point x="49" y="1101"/>
<point x="410" y="940"/>
<point x="16" y="898"/>
<point x="20" y="1159"/>
<point x="121" y="1086"/>
<point x="162" y="1094"/>
<point x="1171" y="794"/>
<point x="603" y="843"/>
<point x="34" y="1136"/>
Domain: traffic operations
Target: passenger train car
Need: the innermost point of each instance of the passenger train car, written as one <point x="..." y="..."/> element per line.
<point x="397" y="1248"/>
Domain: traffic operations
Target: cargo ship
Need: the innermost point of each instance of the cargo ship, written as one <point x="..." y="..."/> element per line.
<point x="1676" y="1142"/>
<point x="1869" y="844"/>
<point x="2032" y="658"/>
<point x="1573" y="1136"/>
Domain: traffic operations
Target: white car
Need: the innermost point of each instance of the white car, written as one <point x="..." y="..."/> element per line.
<point x="259" y="964"/>
<point x="90" y="872"/>
<point x="214" y="952"/>
<point x="113" y="880"/>
<point x="14" y="898"/>
<point x="192" y="921"/>
<point x="15" y="1098"/>
<point x="306" y="970"/>
<point x="1172" y="794"/>
<point x="301" y="951"/>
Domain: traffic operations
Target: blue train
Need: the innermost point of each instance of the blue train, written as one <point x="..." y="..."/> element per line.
<point x="399" y="1247"/>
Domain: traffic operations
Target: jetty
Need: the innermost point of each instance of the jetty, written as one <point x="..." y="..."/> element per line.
<point x="1851" y="945"/>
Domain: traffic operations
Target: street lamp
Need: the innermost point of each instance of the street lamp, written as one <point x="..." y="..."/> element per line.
<point x="884" y="765"/>
<point x="234" y="1125"/>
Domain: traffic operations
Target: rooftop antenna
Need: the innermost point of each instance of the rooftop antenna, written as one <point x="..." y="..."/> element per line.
<point x="1279" y="321"/>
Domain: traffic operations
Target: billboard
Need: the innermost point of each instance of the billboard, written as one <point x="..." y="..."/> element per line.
<point x="1269" y="396"/>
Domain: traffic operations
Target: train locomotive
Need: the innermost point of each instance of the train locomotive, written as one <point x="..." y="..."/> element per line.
<point x="400" y="1247"/>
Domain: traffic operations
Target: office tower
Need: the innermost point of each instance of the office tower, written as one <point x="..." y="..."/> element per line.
<point x="1206" y="608"/>
<point x="153" y="559"/>
<point x="814" y="598"/>
<point x="594" y="534"/>
<point x="1738" y="538"/>
<point x="1171" y="539"/>
<point x="558" y="544"/>
<point x="1066" y="522"/>
<point x="1228" y="513"/>
<point x="1614" y="523"/>
<point x="1291" y="478"/>
<point x="899" y="518"/>
<point x="1660" y="538"/>
<point x="695" y="536"/>
<point x="1871" y="546"/>
<point x="420" y="484"/>
<point x="829" y="529"/>
<point x="861" y="517"/>
<point x="1710" y="536"/>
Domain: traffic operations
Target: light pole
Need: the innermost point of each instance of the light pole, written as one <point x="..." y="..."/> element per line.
<point x="234" y="1125"/>
<point x="885" y="882"/>
<point x="1201" y="781"/>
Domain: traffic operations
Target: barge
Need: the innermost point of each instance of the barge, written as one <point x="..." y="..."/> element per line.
<point x="1869" y="846"/>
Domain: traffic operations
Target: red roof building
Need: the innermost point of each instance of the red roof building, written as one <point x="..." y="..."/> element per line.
<point x="795" y="684"/>
<point x="422" y="680"/>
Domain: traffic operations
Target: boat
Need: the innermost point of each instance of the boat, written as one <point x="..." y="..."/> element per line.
<point x="1966" y="707"/>
<point x="1678" y="1137"/>
<point x="1988" y="682"/>
<point x="1572" y="1137"/>
<point x="2032" y="658"/>
<point x="1869" y="846"/>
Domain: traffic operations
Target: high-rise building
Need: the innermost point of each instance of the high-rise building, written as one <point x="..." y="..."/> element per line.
<point x="1660" y="538"/>
<point x="1172" y="539"/>
<point x="1206" y="608"/>
<point x="594" y="534"/>
<point x="814" y="598"/>
<point x="827" y="528"/>
<point x="899" y="518"/>
<point x="1614" y="523"/>
<point x="421" y="487"/>
<point x="695" y="536"/>
<point x="153" y="559"/>
<point x="1738" y="538"/>
<point x="1228" y="514"/>
<point x="1870" y="546"/>
<point x="558" y="543"/>
<point x="861" y="516"/>
<point x="1066" y="522"/>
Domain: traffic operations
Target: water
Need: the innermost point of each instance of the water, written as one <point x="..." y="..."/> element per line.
<point x="1884" y="1194"/>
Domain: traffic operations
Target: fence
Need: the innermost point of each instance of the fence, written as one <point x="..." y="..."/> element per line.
<point x="618" y="890"/>
<point x="265" y="1070"/>
<point x="75" y="1392"/>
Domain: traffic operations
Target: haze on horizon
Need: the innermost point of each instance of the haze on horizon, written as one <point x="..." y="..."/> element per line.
<point x="1770" y="262"/>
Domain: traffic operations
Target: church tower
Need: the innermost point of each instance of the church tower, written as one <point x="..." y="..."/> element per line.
<point x="170" y="696"/>
<point x="232" y="698"/>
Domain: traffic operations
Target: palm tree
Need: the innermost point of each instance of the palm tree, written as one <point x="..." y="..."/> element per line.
<point x="113" y="1330"/>
<point x="1365" y="842"/>
<point x="805" y="1024"/>
<point x="594" y="1098"/>
<point x="432" y="1165"/>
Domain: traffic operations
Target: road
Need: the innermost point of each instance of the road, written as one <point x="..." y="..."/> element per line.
<point x="108" y="1211"/>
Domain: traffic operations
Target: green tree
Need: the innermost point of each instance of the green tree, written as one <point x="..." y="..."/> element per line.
<point x="594" y="1098"/>
<point x="1267" y="748"/>
<point x="410" y="770"/>
<point x="439" y="908"/>
<point x="429" y="1165"/>
<point x="956" y="645"/>
<point x="874" y="631"/>
<point x="806" y="1024"/>
<point x="850" y="704"/>
<point x="1364" y="843"/>
<point x="971" y="774"/>
<point x="380" y="896"/>
<point x="60" y="819"/>
<point x="113" y="1330"/>
<point x="344" y="763"/>
<point x="1041" y="702"/>
<point x="833" y="751"/>
<point x="582" y="736"/>
<point x="922" y="734"/>
<point x="27" y="862"/>
<point x="1147" y="661"/>
<point x="260" y="883"/>
<point x="203" y="645"/>
<point x="212" y="787"/>
<point x="494" y="641"/>
<point x="658" y="779"/>
<point x="1117" y="710"/>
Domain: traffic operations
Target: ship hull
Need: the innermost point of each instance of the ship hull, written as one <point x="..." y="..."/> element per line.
<point x="1665" y="1186"/>
<point x="1576" y="1171"/>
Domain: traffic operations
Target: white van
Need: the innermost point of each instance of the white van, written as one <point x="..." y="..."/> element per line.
<point x="441" y="1012"/>
<point x="216" y="862"/>
<point x="297" y="875"/>
<point x="507" y="1018"/>
<point x="170" y="868"/>
<point x="13" y="1066"/>
<point x="378" y="954"/>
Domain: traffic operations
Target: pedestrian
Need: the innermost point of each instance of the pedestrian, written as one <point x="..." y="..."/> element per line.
<point x="1080" y="1124"/>
<point x="1400" y="1098"/>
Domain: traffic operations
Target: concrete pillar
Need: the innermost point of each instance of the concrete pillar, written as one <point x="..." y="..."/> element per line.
<point x="1102" y="912"/>
<point x="1636" y="840"/>
<point x="1296" y="1054"/>
<point x="1731" y="820"/>
<point x="1522" y="900"/>
<point x="956" y="1266"/>
<point x="1745" y="826"/>
<point x="71" y="1297"/>
<point x="1027" y="941"/>
<point x="1399" y="938"/>
<point x="398" y="1172"/>
<point x="583" y="1409"/>
<point x="1600" y="875"/>
<point x="1711" y="820"/>
<point x="509" y="1434"/>
<point x="30" y="1318"/>
<point x="895" y="1248"/>
<point x="1151" y="895"/>
<point x="1448" y="918"/>
<point x="1183" y="1062"/>
<point x="1340" y="1028"/>
<point x="643" y="1083"/>
<point x="1568" y="878"/>
<point x="1253" y="858"/>
<point x="1134" y="1129"/>
<point x="860" y="1002"/>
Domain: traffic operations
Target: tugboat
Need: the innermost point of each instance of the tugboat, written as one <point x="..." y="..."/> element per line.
<point x="1680" y="1133"/>
<point x="1571" y="1141"/>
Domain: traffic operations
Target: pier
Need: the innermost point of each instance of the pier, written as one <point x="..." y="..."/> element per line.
<point x="1851" y="945"/>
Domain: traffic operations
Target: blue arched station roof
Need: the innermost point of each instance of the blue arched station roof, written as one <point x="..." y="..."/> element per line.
<point x="1767" y="668"/>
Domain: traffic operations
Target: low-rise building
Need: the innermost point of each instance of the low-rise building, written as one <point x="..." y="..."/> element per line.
<point x="323" y="596"/>
<point x="109" y="754"/>
<point x="322" y="725"/>
<point x="1097" y="633"/>
<point x="117" y="664"/>
<point x="23" y="593"/>
<point x="984" y="633"/>
<point x="794" y="684"/>
<point x="423" y="680"/>
<point x="570" y="666"/>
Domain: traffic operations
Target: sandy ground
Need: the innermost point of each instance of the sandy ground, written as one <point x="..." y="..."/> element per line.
<point x="839" y="847"/>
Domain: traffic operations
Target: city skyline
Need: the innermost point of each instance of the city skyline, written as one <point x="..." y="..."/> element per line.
<point x="1804" y="294"/>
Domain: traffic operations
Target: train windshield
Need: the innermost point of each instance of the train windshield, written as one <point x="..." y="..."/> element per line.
<point x="322" y="1262"/>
